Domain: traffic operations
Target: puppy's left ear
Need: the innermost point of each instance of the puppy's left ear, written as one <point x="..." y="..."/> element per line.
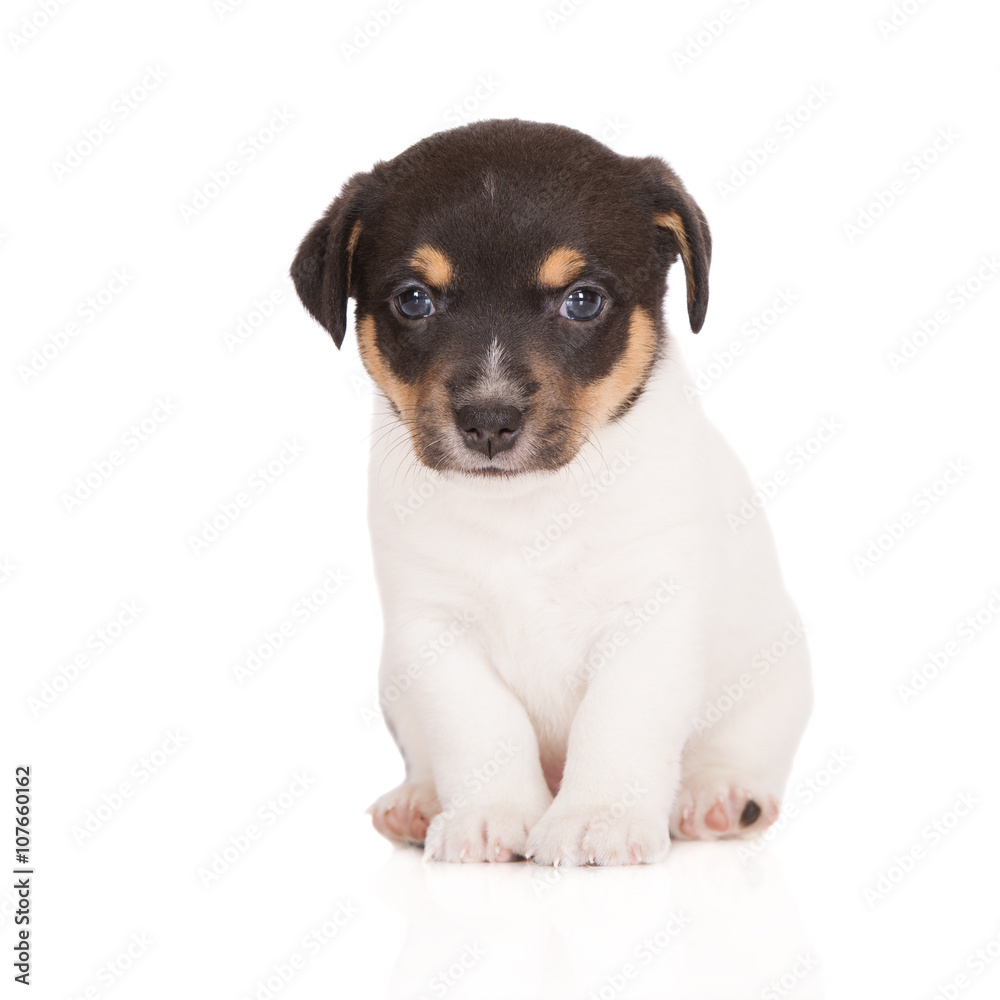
<point x="682" y="230"/>
<point x="323" y="270"/>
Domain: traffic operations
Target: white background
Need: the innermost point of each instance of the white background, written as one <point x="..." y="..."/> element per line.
<point x="795" y="908"/>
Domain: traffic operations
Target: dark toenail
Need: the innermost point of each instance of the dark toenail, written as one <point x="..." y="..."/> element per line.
<point x="750" y="814"/>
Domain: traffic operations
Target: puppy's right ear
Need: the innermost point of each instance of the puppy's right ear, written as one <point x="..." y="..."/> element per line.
<point x="683" y="232"/>
<point x="323" y="270"/>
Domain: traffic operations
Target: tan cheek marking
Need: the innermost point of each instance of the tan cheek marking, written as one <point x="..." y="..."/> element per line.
<point x="426" y="399"/>
<point x="560" y="395"/>
<point x="560" y="267"/>
<point x="672" y="221"/>
<point x="433" y="265"/>
<point x="403" y="395"/>
<point x="604" y="398"/>
<point x="352" y="242"/>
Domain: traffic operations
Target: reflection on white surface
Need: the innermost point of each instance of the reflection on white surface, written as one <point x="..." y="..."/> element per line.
<point x="704" y="925"/>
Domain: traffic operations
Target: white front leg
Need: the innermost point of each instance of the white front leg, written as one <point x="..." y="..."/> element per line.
<point x="480" y="748"/>
<point x="623" y="762"/>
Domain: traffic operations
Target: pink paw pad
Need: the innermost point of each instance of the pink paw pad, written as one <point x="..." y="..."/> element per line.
<point x="728" y="814"/>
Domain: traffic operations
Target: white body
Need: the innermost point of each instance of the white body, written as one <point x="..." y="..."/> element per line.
<point x="611" y="615"/>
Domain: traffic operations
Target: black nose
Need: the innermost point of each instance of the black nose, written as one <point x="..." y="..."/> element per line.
<point x="489" y="429"/>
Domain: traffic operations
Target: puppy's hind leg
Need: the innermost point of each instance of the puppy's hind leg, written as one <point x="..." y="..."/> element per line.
<point x="734" y="770"/>
<point x="403" y="814"/>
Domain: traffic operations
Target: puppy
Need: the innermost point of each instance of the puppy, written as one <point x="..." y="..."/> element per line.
<point x="581" y="654"/>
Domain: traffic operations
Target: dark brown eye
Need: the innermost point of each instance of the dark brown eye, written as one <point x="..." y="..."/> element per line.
<point x="415" y="303"/>
<point x="582" y="303"/>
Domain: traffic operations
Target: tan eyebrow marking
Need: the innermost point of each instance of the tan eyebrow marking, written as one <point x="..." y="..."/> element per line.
<point x="433" y="265"/>
<point x="672" y="221"/>
<point x="560" y="267"/>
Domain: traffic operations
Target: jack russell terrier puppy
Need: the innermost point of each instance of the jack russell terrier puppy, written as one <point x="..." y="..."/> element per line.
<point x="575" y="661"/>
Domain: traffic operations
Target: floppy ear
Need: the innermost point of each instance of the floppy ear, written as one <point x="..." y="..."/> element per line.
<point x="682" y="230"/>
<point x="322" y="269"/>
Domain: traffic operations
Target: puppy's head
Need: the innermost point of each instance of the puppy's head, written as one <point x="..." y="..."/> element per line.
<point x="509" y="279"/>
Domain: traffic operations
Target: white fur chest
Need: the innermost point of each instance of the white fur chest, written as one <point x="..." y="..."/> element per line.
<point x="528" y="572"/>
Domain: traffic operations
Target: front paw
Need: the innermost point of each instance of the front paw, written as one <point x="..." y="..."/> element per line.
<point x="593" y="835"/>
<point x="486" y="832"/>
